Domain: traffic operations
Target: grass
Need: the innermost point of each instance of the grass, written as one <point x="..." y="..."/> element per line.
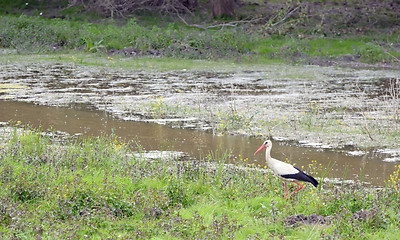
<point x="147" y="63"/>
<point x="28" y="34"/>
<point x="96" y="188"/>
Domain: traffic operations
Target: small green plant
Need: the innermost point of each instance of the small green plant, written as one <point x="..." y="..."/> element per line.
<point x="93" y="47"/>
<point x="25" y="190"/>
<point x="372" y="53"/>
<point x="157" y="106"/>
<point x="177" y="194"/>
<point x="312" y="116"/>
<point x="233" y="120"/>
<point x="394" y="180"/>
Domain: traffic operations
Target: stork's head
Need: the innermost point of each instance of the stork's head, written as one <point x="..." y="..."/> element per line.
<point x="266" y="144"/>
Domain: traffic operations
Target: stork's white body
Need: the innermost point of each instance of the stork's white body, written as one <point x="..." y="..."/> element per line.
<point x="280" y="168"/>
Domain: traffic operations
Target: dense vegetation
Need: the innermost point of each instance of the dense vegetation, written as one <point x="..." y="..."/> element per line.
<point x="314" y="33"/>
<point x="55" y="188"/>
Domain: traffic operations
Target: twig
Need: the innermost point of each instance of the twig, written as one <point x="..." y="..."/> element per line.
<point x="191" y="25"/>
<point x="367" y="130"/>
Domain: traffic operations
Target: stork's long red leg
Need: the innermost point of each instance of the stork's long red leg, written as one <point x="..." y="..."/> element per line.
<point x="301" y="186"/>
<point x="285" y="190"/>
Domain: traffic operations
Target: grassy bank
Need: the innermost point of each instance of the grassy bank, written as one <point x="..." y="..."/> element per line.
<point x="41" y="35"/>
<point x="96" y="188"/>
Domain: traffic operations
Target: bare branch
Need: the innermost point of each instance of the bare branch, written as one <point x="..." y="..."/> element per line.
<point x="290" y="13"/>
<point x="126" y="7"/>
<point x="228" y="24"/>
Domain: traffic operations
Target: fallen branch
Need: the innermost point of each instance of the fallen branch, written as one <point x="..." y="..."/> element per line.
<point x="229" y="24"/>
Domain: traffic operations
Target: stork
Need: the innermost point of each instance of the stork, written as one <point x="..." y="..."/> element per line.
<point x="285" y="171"/>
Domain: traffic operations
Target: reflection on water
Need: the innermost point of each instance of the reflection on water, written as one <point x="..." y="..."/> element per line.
<point x="153" y="136"/>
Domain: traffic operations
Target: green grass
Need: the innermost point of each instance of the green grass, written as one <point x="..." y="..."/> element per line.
<point x="143" y="63"/>
<point x="94" y="187"/>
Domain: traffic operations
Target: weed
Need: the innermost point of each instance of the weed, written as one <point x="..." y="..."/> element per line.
<point x="157" y="107"/>
<point x="394" y="180"/>
<point x="23" y="190"/>
<point x="93" y="46"/>
<point x="177" y="194"/>
<point x="311" y="115"/>
<point x="372" y="53"/>
<point x="233" y="120"/>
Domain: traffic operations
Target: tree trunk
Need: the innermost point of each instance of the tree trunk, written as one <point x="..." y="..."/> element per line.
<point x="221" y="8"/>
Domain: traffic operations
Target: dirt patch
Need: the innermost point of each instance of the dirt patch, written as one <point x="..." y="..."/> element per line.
<point x="301" y="219"/>
<point x="134" y="52"/>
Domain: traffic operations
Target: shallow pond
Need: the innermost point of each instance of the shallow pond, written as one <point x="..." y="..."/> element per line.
<point x="308" y="110"/>
<point x="327" y="105"/>
<point x="152" y="136"/>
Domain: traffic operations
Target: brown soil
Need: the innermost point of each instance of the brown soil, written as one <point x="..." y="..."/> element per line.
<point x="301" y="219"/>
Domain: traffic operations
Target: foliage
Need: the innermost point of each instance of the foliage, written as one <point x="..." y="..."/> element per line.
<point x="37" y="34"/>
<point x="95" y="188"/>
<point x="372" y="53"/>
<point x="27" y="34"/>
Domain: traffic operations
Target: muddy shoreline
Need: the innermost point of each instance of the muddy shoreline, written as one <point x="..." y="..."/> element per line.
<point x="314" y="106"/>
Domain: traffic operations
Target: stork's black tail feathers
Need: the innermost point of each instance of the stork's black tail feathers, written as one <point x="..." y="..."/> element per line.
<point x="312" y="180"/>
<point x="302" y="176"/>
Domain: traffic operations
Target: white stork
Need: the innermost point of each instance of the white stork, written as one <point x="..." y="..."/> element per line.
<point x="284" y="170"/>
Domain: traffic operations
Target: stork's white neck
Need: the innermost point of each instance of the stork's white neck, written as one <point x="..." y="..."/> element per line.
<point x="268" y="154"/>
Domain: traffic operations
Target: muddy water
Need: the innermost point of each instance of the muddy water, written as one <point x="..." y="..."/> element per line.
<point x="272" y="97"/>
<point x="195" y="143"/>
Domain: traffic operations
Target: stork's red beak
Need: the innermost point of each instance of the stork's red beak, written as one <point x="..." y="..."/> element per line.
<point x="261" y="148"/>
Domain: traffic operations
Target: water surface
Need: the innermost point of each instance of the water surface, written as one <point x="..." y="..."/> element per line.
<point x="152" y="136"/>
